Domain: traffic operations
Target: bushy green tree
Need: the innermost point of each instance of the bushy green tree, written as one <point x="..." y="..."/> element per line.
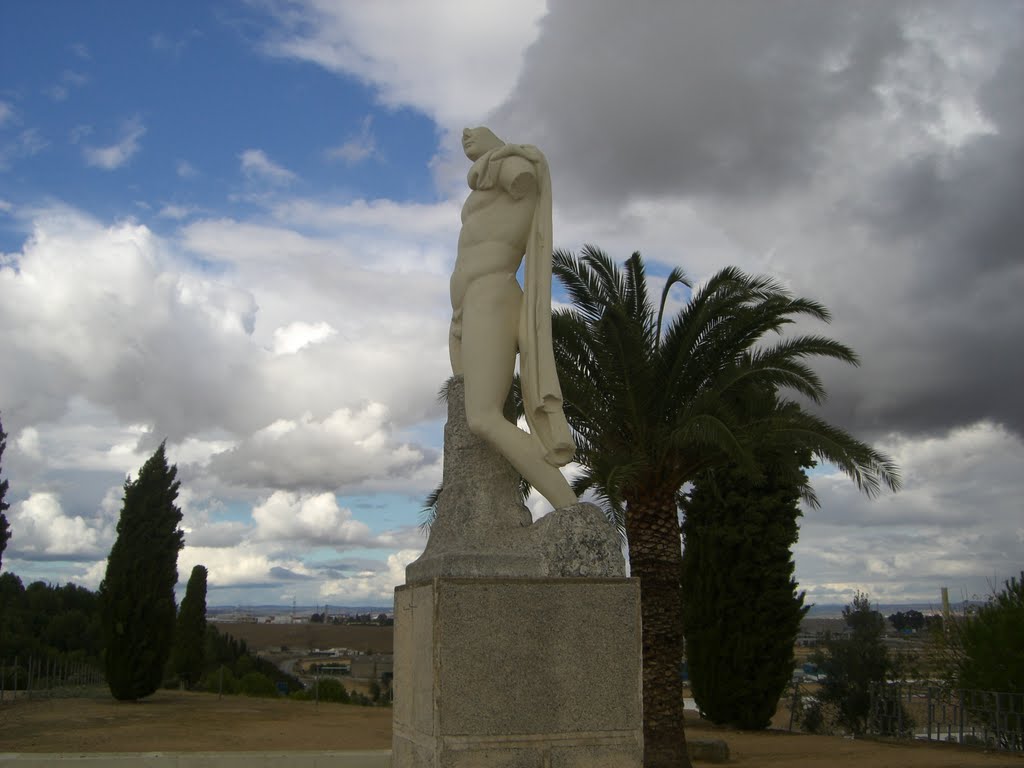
<point x="854" y="664"/>
<point x="220" y="680"/>
<point x="991" y="642"/>
<point x="5" y="529"/>
<point x="329" y="689"/>
<point x="137" y="592"/>
<point x="741" y="609"/>
<point x="61" y="623"/>
<point x="223" y="648"/>
<point x="910" y="619"/>
<point x="189" y="652"/>
<point x="256" y="684"/>
<point x="224" y="651"/>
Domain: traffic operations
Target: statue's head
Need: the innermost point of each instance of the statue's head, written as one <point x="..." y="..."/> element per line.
<point x="476" y="142"/>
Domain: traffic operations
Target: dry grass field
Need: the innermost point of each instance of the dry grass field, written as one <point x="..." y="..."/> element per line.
<point x="189" y="722"/>
<point x="192" y="722"/>
<point x="297" y="637"/>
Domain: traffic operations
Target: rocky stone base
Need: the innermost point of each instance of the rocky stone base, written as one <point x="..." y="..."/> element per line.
<point x="483" y="528"/>
<point x="707" y="750"/>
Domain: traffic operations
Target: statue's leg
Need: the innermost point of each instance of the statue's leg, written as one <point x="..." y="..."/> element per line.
<point x="455" y="347"/>
<point x="490" y="331"/>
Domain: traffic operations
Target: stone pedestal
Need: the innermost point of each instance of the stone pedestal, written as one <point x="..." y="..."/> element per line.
<point x="517" y="673"/>
<point x="517" y="644"/>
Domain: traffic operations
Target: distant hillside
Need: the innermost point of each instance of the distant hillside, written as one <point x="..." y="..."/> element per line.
<point x="835" y="611"/>
<point x="302" y="611"/>
<point x="302" y="637"/>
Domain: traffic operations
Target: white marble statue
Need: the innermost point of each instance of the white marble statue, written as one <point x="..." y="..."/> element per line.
<point x="507" y="215"/>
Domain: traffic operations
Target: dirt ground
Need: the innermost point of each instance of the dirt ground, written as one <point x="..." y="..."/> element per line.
<point x="180" y="721"/>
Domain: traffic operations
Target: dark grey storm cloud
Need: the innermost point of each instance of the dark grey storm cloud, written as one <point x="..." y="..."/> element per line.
<point x="958" y="216"/>
<point x="728" y="98"/>
<point x="285" y="574"/>
<point x="828" y="136"/>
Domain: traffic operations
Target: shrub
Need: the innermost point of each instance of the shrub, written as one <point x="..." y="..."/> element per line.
<point x="213" y="681"/>
<point x="333" y="690"/>
<point x="256" y="684"/>
<point x="812" y="716"/>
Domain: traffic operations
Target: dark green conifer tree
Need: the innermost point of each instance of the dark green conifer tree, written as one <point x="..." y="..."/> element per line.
<point x="5" y="530"/>
<point x="188" y="655"/>
<point x="988" y="650"/>
<point x="855" y="664"/>
<point x="137" y="593"/>
<point x="741" y="610"/>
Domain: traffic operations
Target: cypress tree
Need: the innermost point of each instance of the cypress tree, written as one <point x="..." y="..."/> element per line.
<point x="741" y="610"/>
<point x="5" y="531"/>
<point x="137" y="593"/>
<point x="188" y="655"/>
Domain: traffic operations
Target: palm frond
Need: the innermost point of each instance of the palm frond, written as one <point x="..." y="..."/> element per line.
<point x="869" y="468"/>
<point x="654" y="399"/>
<point x="809" y="496"/>
<point x="607" y="274"/>
<point x="428" y="513"/>
<point x="443" y="392"/>
<point x="675" y="277"/>
<point x="581" y="285"/>
<point x="709" y="434"/>
<point x="636" y="303"/>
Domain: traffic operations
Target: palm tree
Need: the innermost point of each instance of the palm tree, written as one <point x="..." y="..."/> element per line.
<point x="653" y="404"/>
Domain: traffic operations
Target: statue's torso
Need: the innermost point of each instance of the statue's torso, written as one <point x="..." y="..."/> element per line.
<point x="492" y="216"/>
<point x="495" y="230"/>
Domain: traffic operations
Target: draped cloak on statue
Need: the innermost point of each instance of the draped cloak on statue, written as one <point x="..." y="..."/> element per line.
<point x="542" y="394"/>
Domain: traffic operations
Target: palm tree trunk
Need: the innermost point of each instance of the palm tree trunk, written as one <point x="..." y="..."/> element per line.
<point x="655" y="556"/>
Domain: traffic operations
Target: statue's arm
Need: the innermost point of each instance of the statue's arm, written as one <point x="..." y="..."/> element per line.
<point x="518" y="177"/>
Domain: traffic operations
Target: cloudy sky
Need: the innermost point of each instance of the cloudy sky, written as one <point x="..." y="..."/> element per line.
<point x="230" y="224"/>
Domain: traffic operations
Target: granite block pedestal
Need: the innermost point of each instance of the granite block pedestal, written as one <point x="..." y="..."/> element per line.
<point x="517" y="644"/>
<point x="517" y="673"/>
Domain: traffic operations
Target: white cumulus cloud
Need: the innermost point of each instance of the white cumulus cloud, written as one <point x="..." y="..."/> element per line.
<point x="472" y="61"/>
<point x="371" y="584"/>
<point x="243" y="565"/>
<point x="315" y="519"/>
<point x="116" y="155"/>
<point x="41" y="528"/>
<point x="291" y="338"/>
<point x="351" y="448"/>
<point x="185" y="169"/>
<point x="256" y="165"/>
<point x="356" y="148"/>
<point x="106" y="314"/>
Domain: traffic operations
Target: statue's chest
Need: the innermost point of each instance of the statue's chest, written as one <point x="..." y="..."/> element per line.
<point x="479" y="199"/>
